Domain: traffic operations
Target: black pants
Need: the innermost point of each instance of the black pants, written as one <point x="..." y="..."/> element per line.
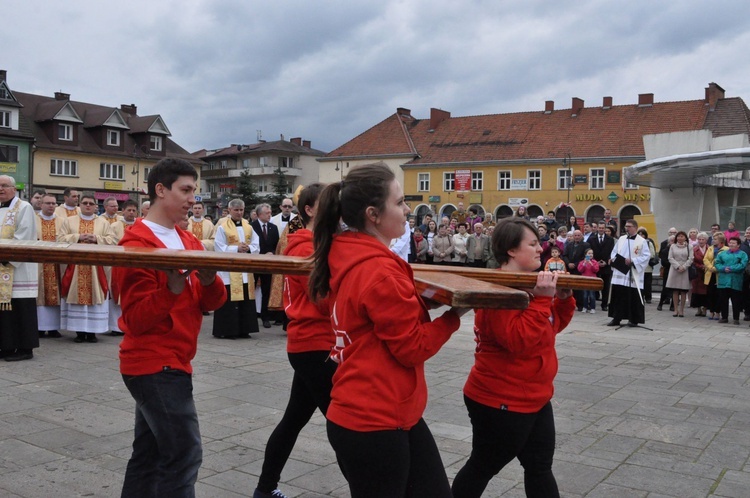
<point x="391" y="464"/>
<point x="605" y="274"/>
<point x="724" y="296"/>
<point x="648" y="279"/>
<point x="666" y="292"/>
<point x="311" y="390"/>
<point x="499" y="436"/>
<point x="265" y="289"/>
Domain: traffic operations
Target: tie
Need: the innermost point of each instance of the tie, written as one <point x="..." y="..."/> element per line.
<point x="265" y="233"/>
<point x="601" y="239"/>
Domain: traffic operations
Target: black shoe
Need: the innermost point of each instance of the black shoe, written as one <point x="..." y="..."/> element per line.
<point x="648" y="301"/>
<point x="4" y="353"/>
<point x="54" y="334"/>
<point x="278" y="322"/>
<point x="42" y="333"/>
<point x="747" y="318"/>
<point x="21" y="354"/>
<point x="723" y="320"/>
<point x="206" y="313"/>
<point x="91" y="338"/>
<point x="658" y="308"/>
<point x="605" y="307"/>
<point x="267" y="324"/>
<point x="613" y="323"/>
<point x="116" y="333"/>
<point x="80" y="337"/>
<point x="225" y="337"/>
<point x="671" y="307"/>
<point x="632" y="324"/>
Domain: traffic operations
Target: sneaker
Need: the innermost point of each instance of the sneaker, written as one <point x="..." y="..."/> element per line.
<point x="723" y="320"/>
<point x="273" y="494"/>
<point x="592" y="311"/>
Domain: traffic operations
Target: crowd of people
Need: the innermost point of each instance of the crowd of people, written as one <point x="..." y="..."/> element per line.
<point x="358" y="333"/>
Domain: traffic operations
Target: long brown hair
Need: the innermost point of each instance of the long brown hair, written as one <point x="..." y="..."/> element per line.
<point x="365" y="185"/>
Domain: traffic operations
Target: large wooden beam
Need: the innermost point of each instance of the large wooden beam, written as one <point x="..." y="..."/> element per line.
<point x="445" y="288"/>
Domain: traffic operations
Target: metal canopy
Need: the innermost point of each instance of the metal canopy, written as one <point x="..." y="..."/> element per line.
<point x="701" y="169"/>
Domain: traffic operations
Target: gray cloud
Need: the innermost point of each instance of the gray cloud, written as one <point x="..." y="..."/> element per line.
<point x="217" y="71"/>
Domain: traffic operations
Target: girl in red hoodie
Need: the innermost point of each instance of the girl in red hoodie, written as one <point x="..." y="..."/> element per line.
<point x="509" y="389"/>
<point x="309" y="343"/>
<point x="383" y="337"/>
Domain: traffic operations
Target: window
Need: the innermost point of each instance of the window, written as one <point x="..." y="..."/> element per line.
<point x="212" y="187"/>
<point x="477" y="180"/>
<point x="223" y="164"/>
<point x="564" y="179"/>
<point x="597" y="179"/>
<point x="65" y="131"/>
<point x="534" y="177"/>
<point x="246" y="163"/>
<point x="146" y="171"/>
<point x="286" y="162"/>
<point x="262" y="186"/>
<point x="263" y="162"/>
<point x="63" y="167"/>
<point x="225" y="188"/>
<point x="155" y="142"/>
<point x="4" y="93"/>
<point x="4" y="119"/>
<point x="113" y="138"/>
<point x="423" y="182"/>
<point x="8" y="154"/>
<point x="449" y="181"/>
<point x="503" y="180"/>
<point x="109" y="171"/>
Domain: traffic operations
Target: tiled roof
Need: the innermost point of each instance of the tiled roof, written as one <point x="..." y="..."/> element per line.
<point x="275" y="146"/>
<point x="595" y="132"/>
<point x="389" y="137"/>
<point x="38" y="108"/>
<point x="731" y="117"/>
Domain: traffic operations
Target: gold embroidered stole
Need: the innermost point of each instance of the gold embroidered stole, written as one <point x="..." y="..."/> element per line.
<point x="85" y="272"/>
<point x="49" y="270"/>
<point x="6" y="271"/>
<point x="235" y="278"/>
<point x="198" y="229"/>
<point x="71" y="212"/>
<point x="111" y="221"/>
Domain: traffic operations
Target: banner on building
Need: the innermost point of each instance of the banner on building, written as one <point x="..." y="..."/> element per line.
<point x="463" y="179"/>
<point x="518" y="184"/>
<point x="518" y="201"/>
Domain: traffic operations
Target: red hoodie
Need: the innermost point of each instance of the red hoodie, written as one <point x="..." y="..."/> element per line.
<point x="161" y="328"/>
<point x="309" y="326"/>
<point x="383" y="337"/>
<point x="515" y="361"/>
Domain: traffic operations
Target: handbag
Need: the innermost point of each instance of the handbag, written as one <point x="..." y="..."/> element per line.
<point x="692" y="272"/>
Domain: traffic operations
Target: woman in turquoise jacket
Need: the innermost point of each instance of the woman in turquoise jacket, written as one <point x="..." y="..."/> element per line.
<point x="730" y="269"/>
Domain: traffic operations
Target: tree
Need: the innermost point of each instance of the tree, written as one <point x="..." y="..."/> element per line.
<point x="281" y="189"/>
<point x="247" y="190"/>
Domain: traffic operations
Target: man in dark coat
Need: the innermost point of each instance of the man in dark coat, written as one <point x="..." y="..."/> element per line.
<point x="602" y="244"/>
<point x="268" y="233"/>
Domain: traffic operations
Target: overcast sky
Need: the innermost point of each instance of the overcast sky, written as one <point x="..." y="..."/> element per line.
<point x="218" y="71"/>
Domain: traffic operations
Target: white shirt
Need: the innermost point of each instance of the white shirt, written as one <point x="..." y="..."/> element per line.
<point x="221" y="245"/>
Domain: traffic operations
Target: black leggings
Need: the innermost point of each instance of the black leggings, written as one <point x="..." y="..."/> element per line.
<point x="393" y="464"/>
<point x="311" y="389"/>
<point x="499" y="436"/>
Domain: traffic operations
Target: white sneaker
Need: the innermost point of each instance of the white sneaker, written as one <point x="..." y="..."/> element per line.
<point x="592" y="311"/>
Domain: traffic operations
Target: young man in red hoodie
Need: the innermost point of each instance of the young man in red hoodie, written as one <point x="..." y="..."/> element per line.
<point x="162" y="311"/>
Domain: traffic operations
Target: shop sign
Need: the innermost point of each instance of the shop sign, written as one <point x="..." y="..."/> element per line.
<point x="463" y="179"/>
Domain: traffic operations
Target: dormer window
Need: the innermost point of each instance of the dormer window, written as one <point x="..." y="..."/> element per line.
<point x="156" y="142"/>
<point x="4" y="93"/>
<point x="4" y="119"/>
<point x="65" y="132"/>
<point x="113" y="138"/>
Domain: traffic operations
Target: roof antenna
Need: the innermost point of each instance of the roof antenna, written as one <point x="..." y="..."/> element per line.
<point x="260" y="135"/>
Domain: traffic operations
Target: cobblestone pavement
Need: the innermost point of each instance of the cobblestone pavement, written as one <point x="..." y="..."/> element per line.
<point x="638" y="413"/>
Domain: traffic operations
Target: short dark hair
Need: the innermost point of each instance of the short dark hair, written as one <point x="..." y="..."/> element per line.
<point x="739" y="241"/>
<point x="508" y="235"/>
<point x="166" y="172"/>
<point x="39" y="191"/>
<point x="68" y="190"/>
<point x="198" y="202"/>
<point x="88" y="195"/>
<point x="129" y="203"/>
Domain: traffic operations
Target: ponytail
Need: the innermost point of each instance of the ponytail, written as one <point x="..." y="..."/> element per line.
<point x="365" y="185"/>
<point x="325" y="227"/>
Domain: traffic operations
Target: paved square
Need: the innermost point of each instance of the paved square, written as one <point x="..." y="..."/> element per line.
<point x="638" y="413"/>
